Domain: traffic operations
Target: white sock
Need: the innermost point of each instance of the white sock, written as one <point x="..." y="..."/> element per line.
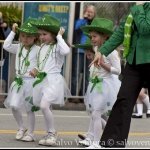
<point x="48" y="116"/>
<point x="103" y="123"/>
<point x="31" y="122"/>
<point x="90" y="133"/>
<point x="96" y="116"/>
<point x="18" y="116"/>
<point x="139" y="109"/>
<point x="147" y="103"/>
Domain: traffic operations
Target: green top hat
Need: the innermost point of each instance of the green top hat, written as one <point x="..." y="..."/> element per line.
<point x="48" y="23"/>
<point x="28" y="28"/>
<point x="86" y="46"/>
<point x="100" y="25"/>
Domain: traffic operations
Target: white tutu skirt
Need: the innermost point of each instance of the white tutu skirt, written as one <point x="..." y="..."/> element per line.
<point x="18" y="100"/>
<point x="52" y="89"/>
<point x="116" y="83"/>
<point x="102" y="100"/>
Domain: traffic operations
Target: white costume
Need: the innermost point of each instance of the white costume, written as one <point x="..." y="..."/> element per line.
<point x="26" y="60"/>
<point x="50" y="61"/>
<point x="104" y="93"/>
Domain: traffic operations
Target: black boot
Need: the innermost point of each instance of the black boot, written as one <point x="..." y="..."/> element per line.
<point x="147" y="115"/>
<point x="137" y="116"/>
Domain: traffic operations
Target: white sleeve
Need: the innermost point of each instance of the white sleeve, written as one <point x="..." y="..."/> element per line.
<point x="8" y="46"/>
<point x="62" y="46"/>
<point x="115" y="63"/>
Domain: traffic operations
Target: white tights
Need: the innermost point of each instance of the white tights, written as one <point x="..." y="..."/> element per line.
<point x="48" y="116"/>
<point x="96" y="125"/>
<point x="19" y="119"/>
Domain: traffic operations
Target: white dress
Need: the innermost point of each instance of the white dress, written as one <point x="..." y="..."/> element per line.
<point x="53" y="88"/>
<point x="18" y="98"/>
<point x="104" y="93"/>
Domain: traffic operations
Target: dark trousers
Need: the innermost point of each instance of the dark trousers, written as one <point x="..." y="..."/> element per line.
<point x="118" y="125"/>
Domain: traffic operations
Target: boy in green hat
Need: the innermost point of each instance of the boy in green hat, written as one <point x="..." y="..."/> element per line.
<point x="20" y="93"/>
<point x="103" y="84"/>
<point x="50" y="87"/>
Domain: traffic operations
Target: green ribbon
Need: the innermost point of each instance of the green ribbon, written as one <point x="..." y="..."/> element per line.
<point x="127" y="35"/>
<point x="108" y="113"/>
<point x="95" y="82"/>
<point x="18" y="82"/>
<point x="30" y="100"/>
<point x="40" y="77"/>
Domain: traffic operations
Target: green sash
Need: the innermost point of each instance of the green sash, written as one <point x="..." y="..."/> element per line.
<point x="40" y="77"/>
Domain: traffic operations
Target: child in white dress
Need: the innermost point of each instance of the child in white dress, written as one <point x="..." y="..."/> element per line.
<point x="143" y="98"/>
<point x="50" y="87"/>
<point x="20" y="93"/>
<point x="103" y="84"/>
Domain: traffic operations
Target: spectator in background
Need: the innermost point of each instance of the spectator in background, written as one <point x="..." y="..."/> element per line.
<point x="4" y="32"/>
<point x="78" y="56"/>
<point x="1" y="30"/>
<point x="6" y="29"/>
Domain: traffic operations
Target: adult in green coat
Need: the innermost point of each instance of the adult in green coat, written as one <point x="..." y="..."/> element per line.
<point x="136" y="72"/>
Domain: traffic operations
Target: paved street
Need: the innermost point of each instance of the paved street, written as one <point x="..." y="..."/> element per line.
<point x="68" y="125"/>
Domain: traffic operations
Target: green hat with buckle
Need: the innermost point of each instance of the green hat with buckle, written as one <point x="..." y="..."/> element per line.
<point x="27" y="26"/>
<point x="86" y="46"/>
<point x="101" y="25"/>
<point x="48" y="23"/>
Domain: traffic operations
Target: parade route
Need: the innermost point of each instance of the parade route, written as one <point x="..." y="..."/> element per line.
<point x="68" y="125"/>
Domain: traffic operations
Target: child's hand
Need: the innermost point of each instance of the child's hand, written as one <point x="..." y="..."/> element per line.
<point x="34" y="72"/>
<point x="96" y="60"/>
<point x="102" y="60"/>
<point x="61" y="31"/>
<point x="14" y="27"/>
<point x="95" y="48"/>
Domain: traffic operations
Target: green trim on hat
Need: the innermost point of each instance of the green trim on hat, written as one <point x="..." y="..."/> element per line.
<point x="27" y="27"/>
<point x="83" y="46"/>
<point x="100" y="25"/>
<point x="48" y="23"/>
<point x="86" y="46"/>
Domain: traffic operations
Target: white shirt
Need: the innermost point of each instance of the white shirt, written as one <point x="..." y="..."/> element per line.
<point x="15" y="49"/>
<point x="113" y="60"/>
<point x="56" y="58"/>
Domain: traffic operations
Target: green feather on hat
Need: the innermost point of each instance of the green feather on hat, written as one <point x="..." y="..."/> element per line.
<point x="48" y="23"/>
<point x="101" y="25"/>
<point x="27" y="26"/>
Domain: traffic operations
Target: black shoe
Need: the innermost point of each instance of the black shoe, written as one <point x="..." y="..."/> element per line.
<point x="81" y="136"/>
<point x="135" y="116"/>
<point x="147" y="115"/>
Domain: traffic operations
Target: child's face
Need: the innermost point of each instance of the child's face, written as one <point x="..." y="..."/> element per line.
<point x="27" y="39"/>
<point x="97" y="39"/>
<point x="89" y="55"/>
<point x="46" y="37"/>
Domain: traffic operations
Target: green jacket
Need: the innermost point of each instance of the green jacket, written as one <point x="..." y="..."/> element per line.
<point x="140" y="40"/>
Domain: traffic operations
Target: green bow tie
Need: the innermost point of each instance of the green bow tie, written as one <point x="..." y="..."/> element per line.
<point x="18" y="82"/>
<point x="30" y="100"/>
<point x="95" y="81"/>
